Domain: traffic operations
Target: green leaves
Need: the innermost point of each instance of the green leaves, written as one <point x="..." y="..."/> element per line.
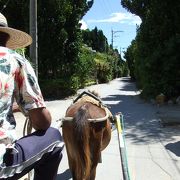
<point x="155" y="59"/>
<point x="95" y="39"/>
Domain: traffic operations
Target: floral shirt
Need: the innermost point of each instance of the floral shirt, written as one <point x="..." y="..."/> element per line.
<point x="17" y="80"/>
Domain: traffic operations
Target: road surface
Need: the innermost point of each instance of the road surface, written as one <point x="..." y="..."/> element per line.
<point x="153" y="151"/>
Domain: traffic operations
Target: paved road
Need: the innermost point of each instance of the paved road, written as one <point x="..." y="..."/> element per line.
<point x="153" y="151"/>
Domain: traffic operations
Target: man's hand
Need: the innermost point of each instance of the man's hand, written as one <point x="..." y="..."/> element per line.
<point x="40" y="118"/>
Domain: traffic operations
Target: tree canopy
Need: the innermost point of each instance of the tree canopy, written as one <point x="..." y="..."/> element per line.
<point x="154" y="55"/>
<point x="95" y="39"/>
<point x="65" y="63"/>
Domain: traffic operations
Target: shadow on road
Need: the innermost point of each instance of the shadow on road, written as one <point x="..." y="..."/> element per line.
<point x="174" y="147"/>
<point x="141" y="122"/>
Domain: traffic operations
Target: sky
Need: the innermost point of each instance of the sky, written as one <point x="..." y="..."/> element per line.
<point x="109" y="16"/>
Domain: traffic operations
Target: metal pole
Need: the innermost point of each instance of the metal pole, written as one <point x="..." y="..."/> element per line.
<point x="33" y="33"/>
<point x="112" y="36"/>
<point x="122" y="149"/>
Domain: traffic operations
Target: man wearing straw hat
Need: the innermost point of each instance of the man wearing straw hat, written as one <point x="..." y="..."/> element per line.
<point x="40" y="150"/>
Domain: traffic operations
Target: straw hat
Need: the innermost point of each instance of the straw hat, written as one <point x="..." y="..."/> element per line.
<point x="17" y="38"/>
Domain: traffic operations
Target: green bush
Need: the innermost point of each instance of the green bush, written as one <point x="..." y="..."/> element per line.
<point x="86" y="67"/>
<point x="92" y="67"/>
<point x="56" y="88"/>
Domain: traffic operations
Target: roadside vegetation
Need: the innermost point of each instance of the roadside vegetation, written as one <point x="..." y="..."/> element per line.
<point x="153" y="56"/>
<point x="68" y="57"/>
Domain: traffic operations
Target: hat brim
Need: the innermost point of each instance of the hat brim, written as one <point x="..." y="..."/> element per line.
<point x="17" y="39"/>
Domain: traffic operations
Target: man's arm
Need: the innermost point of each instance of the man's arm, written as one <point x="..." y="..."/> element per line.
<point x="40" y="118"/>
<point x="28" y="95"/>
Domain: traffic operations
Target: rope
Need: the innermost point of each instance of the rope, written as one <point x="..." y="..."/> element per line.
<point x="27" y="127"/>
<point x="91" y="120"/>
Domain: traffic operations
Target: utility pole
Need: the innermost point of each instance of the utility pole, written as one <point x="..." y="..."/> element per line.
<point x="112" y="36"/>
<point x="33" y="34"/>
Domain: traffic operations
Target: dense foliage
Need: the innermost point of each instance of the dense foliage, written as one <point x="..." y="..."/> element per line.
<point x="108" y="62"/>
<point x="95" y="39"/>
<point x="64" y="63"/>
<point x="154" y="56"/>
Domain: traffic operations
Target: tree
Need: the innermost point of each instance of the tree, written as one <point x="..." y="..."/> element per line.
<point x="130" y="58"/>
<point x="95" y="39"/>
<point x="17" y="14"/>
<point x="59" y="35"/>
<point x="156" y="56"/>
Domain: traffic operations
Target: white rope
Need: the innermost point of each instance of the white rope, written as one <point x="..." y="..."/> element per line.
<point x="91" y="120"/>
<point x="67" y="119"/>
<point x="100" y="119"/>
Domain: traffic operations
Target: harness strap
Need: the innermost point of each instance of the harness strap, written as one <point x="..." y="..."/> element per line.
<point x="87" y="96"/>
<point x="90" y="120"/>
<point x="91" y="95"/>
<point x="100" y="119"/>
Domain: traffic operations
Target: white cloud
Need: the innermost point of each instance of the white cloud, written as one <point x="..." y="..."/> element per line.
<point x="124" y="18"/>
<point x="84" y="25"/>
